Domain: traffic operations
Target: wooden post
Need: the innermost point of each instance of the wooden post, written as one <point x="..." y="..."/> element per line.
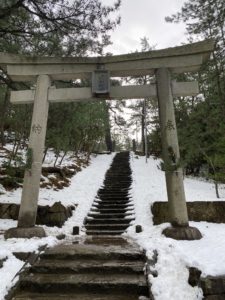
<point x="31" y="185"/>
<point x="171" y="157"/>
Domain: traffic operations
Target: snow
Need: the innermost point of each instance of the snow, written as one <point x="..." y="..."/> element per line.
<point x="81" y="192"/>
<point x="174" y="257"/>
<point x="82" y="185"/>
<point x="12" y="265"/>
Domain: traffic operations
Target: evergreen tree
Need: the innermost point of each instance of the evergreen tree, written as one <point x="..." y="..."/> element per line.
<point x="140" y="118"/>
<point x="55" y="28"/>
<point x="201" y="121"/>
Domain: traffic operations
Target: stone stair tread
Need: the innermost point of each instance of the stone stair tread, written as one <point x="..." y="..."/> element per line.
<point x="212" y="285"/>
<point x="83" y="296"/>
<point x="88" y="282"/>
<point x="115" y="205"/>
<point x="114" y="200"/>
<point x="93" y="251"/>
<point x="104" y="232"/>
<point x="130" y="212"/>
<point x="102" y="226"/>
<point x="82" y="265"/>
<point x="111" y="216"/>
<point x="104" y="191"/>
<point x="107" y="221"/>
<point x="215" y="297"/>
<point x="118" y="206"/>
<point x="111" y="209"/>
<point x="90" y="278"/>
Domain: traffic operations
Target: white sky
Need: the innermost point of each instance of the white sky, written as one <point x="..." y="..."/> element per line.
<point x="141" y="18"/>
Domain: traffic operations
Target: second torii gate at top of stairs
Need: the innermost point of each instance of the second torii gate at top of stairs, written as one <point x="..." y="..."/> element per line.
<point x="43" y="70"/>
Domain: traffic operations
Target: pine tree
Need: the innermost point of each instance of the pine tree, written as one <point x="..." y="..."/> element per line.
<point x="201" y="121"/>
<point x="55" y="28"/>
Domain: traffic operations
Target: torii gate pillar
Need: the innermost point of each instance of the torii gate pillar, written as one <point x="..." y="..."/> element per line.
<point x="171" y="157"/>
<point x="28" y="211"/>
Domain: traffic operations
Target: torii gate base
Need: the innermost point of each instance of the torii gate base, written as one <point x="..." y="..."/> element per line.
<point x="162" y="62"/>
<point x="25" y="233"/>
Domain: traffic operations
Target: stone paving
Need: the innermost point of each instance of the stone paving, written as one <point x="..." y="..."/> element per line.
<point x="97" y="268"/>
<point x="100" y="265"/>
<point x="112" y="210"/>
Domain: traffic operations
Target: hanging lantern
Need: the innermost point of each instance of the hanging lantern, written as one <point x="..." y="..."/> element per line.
<point x="100" y="83"/>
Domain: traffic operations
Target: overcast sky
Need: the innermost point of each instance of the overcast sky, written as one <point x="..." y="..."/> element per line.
<point x="141" y="18"/>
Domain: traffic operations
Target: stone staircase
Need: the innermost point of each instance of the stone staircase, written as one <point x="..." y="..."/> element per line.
<point x="112" y="210"/>
<point x="103" y="265"/>
<point x="100" y="268"/>
<point x="213" y="287"/>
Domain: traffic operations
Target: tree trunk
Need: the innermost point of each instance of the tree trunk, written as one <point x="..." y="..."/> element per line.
<point x="62" y="158"/>
<point x="57" y="156"/>
<point x="108" y="138"/>
<point x="45" y="153"/>
<point x="217" y="189"/>
<point x="3" y="115"/>
<point x="143" y="128"/>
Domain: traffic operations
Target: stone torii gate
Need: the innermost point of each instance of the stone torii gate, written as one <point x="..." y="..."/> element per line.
<point x="163" y="63"/>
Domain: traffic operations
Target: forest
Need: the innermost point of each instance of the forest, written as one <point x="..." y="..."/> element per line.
<point x="82" y="28"/>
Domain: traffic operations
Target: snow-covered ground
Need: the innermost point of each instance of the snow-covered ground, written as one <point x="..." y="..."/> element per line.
<point x="83" y="188"/>
<point x="208" y="254"/>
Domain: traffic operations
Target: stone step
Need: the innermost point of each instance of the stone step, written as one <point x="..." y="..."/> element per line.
<point x="117" y="207"/>
<point x="73" y="296"/>
<point x="122" y="179"/>
<point x="213" y="285"/>
<point x="111" y="211"/>
<point x="84" y="251"/>
<point x="114" y="197"/>
<point x="115" y="173"/>
<point x="116" y="192"/>
<point x="113" y="201"/>
<point x="118" y="184"/>
<point x="112" y="208"/>
<point x="109" y="206"/>
<point x="82" y="266"/>
<point x="104" y="232"/>
<point x="113" y="193"/>
<point x="109" y="221"/>
<point x="117" y="180"/>
<point x="215" y="297"/>
<point x="110" y="216"/>
<point x="106" y="227"/>
<point x="125" y="283"/>
<point x="113" y="190"/>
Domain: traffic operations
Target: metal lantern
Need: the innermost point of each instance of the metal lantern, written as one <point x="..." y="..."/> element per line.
<point x="100" y="82"/>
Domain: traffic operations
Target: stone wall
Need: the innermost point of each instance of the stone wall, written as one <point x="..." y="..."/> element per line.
<point x="54" y="215"/>
<point x="209" y="211"/>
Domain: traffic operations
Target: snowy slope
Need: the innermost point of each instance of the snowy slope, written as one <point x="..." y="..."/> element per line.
<point x="148" y="186"/>
<point x="83" y="188"/>
<point x="175" y="256"/>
